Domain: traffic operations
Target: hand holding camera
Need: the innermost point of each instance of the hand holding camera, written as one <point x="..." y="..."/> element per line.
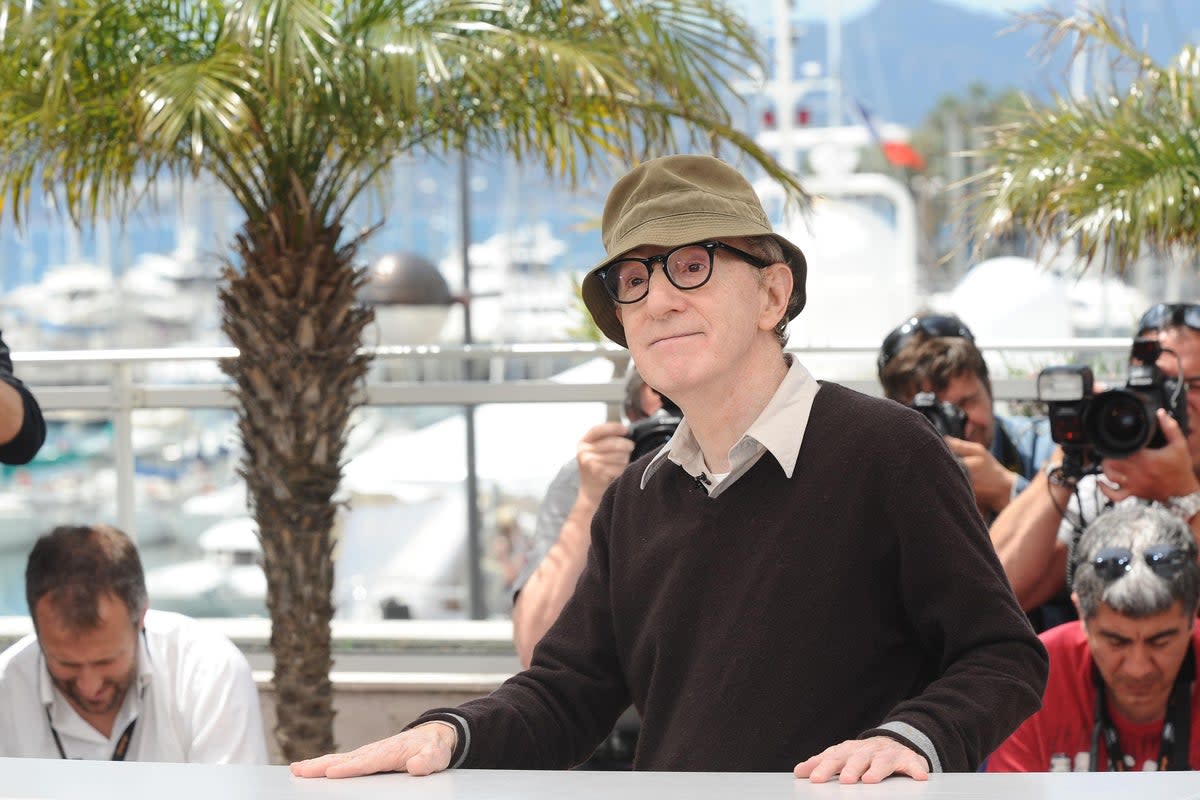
<point x="602" y="453"/>
<point x="946" y="418"/>
<point x="993" y="484"/>
<point x="1157" y="473"/>
<point x="1114" y="424"/>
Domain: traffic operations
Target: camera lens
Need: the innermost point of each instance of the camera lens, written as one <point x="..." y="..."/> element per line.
<point x="653" y="432"/>
<point x="1119" y="423"/>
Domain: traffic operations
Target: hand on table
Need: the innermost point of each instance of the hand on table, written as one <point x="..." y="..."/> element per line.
<point x="422" y="750"/>
<point x="869" y="760"/>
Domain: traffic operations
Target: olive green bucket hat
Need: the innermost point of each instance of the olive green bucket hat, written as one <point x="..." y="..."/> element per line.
<point x="674" y="200"/>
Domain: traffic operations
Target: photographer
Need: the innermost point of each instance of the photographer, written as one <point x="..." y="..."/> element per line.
<point x="1120" y="695"/>
<point x="560" y="542"/>
<point x="22" y="429"/>
<point x="936" y="353"/>
<point x="1033" y="535"/>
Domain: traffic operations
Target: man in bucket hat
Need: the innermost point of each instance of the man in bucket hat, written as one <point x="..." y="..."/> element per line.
<point x="800" y="573"/>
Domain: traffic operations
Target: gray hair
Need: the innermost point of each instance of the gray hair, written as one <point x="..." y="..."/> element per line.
<point x="1140" y="592"/>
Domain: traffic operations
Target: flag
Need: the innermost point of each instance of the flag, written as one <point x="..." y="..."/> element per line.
<point x="897" y="153"/>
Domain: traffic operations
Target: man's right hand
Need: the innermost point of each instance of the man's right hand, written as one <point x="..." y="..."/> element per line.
<point x="603" y="453"/>
<point x="422" y="750"/>
<point x="1153" y="473"/>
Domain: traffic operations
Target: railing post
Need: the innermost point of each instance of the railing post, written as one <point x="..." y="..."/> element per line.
<point x="123" y="444"/>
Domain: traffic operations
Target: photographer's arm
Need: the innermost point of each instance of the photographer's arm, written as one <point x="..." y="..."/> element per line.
<point x="22" y="428"/>
<point x="12" y="412"/>
<point x="1025" y="535"/>
<point x="603" y="453"/>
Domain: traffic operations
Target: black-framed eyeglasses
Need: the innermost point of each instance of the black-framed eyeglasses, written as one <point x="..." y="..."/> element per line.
<point x="688" y="266"/>
<point x="1165" y="560"/>
<point x="930" y="324"/>
<point x="1161" y="315"/>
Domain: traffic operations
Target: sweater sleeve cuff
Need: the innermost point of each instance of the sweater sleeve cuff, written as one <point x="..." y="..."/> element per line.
<point x="910" y="737"/>
<point x="450" y="716"/>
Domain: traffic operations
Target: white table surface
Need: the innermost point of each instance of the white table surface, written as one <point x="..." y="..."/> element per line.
<point x="100" y="780"/>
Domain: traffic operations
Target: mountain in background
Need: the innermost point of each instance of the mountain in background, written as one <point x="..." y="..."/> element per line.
<point x="901" y="56"/>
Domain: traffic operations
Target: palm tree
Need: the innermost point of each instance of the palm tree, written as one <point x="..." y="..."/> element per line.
<point x="1112" y="173"/>
<point x="295" y="107"/>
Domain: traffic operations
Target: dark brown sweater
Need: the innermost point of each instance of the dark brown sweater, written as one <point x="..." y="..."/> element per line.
<point x="755" y="629"/>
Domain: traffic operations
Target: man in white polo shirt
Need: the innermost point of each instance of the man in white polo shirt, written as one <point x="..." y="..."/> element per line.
<point x="104" y="678"/>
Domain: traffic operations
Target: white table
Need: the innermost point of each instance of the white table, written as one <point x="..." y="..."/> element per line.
<point x="101" y="780"/>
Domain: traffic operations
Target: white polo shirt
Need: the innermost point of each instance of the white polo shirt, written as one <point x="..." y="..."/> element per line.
<point x="193" y="700"/>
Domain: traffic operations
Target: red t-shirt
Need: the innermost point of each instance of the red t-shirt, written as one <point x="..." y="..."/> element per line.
<point x="1058" y="738"/>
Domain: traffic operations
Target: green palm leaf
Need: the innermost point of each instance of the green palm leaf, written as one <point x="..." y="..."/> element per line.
<point x="1113" y="173"/>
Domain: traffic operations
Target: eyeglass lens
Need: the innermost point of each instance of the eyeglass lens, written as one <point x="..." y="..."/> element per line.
<point x="1163" y="559"/>
<point x="686" y="267"/>
<point x="1112" y="562"/>
<point x="1162" y="314"/>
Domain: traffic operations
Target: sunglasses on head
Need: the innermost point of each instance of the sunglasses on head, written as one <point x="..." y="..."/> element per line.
<point x="930" y="324"/>
<point x="1162" y="315"/>
<point x="1164" y="560"/>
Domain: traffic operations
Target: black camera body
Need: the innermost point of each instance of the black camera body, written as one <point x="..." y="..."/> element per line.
<point x="654" y="431"/>
<point x="947" y="419"/>
<point x="1119" y="422"/>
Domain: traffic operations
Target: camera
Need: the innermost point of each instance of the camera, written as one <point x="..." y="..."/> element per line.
<point x="654" y="431"/>
<point x="947" y="419"/>
<point x="1118" y="422"/>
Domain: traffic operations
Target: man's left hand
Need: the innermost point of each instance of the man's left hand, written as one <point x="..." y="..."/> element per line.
<point x="993" y="483"/>
<point x="867" y="760"/>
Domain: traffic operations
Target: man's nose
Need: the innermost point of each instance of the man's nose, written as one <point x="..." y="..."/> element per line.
<point x="1138" y="663"/>
<point x="90" y="682"/>
<point x="661" y="293"/>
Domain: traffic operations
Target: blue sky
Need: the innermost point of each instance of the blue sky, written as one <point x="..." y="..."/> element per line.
<point x="761" y="11"/>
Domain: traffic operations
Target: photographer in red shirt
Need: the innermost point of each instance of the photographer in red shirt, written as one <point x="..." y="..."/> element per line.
<point x="1120" y="693"/>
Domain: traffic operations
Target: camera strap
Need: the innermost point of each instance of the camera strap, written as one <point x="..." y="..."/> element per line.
<point x="1176" y="731"/>
<point x="119" y="752"/>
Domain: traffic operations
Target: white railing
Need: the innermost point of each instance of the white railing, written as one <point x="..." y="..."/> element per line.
<point x="115" y="385"/>
<point x="125" y="393"/>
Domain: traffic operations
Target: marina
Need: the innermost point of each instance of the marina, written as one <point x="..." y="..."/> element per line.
<point x="116" y="328"/>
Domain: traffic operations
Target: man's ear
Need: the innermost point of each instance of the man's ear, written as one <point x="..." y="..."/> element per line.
<point x="141" y="626"/>
<point x="1078" y="609"/>
<point x="777" y="284"/>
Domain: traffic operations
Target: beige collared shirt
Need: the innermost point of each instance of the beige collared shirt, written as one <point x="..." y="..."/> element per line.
<point x="779" y="430"/>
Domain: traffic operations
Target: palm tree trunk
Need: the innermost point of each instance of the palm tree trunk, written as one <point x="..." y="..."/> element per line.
<point x="291" y="311"/>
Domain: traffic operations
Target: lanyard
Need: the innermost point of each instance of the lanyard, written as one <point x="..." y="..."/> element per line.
<point x="1177" y="726"/>
<point x="118" y="752"/>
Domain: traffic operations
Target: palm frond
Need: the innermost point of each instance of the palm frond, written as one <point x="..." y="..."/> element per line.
<point x="1115" y="172"/>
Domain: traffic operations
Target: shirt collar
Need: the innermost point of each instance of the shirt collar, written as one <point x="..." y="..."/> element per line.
<point x="779" y="428"/>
